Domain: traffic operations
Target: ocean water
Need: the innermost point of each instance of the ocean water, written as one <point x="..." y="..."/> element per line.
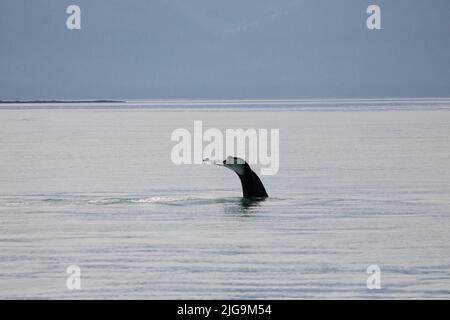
<point x="360" y="183"/>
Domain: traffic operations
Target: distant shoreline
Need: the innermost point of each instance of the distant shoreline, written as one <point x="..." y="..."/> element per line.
<point x="59" y="101"/>
<point x="234" y="104"/>
<point x="249" y="101"/>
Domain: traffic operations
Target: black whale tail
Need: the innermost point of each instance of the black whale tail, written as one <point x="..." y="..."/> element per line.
<point x="252" y="186"/>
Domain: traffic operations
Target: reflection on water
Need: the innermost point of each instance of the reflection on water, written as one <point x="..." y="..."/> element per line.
<point x="243" y="206"/>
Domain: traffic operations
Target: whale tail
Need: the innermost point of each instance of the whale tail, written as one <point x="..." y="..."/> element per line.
<point x="252" y="186"/>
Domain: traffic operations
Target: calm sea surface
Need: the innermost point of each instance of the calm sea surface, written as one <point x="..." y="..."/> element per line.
<point x="359" y="184"/>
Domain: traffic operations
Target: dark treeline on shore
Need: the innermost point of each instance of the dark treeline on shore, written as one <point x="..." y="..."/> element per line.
<point x="60" y="101"/>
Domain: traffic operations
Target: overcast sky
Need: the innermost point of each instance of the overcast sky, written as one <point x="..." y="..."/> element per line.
<point x="148" y="49"/>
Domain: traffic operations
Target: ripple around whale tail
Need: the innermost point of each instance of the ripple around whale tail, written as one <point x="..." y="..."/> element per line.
<point x="96" y="200"/>
<point x="173" y="200"/>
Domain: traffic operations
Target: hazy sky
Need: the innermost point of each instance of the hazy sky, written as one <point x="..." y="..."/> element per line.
<point x="224" y="49"/>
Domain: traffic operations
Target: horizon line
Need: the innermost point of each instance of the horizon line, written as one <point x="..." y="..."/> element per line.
<point x="203" y="102"/>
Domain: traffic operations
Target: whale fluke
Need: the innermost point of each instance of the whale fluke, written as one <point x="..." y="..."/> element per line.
<point x="252" y="186"/>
